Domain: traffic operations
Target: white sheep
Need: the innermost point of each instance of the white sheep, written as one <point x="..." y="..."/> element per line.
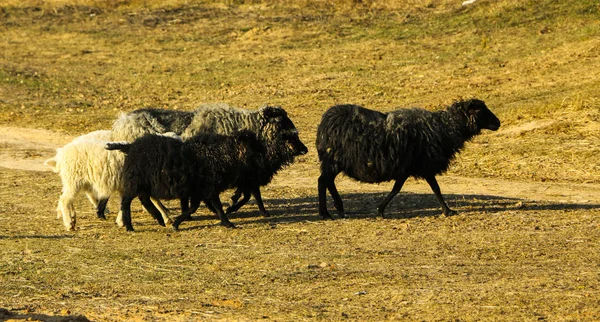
<point x="85" y="165"/>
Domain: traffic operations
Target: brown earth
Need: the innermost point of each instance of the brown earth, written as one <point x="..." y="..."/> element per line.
<point x="524" y="246"/>
<point x="512" y="242"/>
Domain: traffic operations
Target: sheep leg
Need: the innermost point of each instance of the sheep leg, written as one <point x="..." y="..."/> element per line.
<point x="337" y="199"/>
<point x="236" y="196"/>
<point x="101" y="208"/>
<point x="119" y="219"/>
<point x="65" y="204"/>
<point x="323" y="183"/>
<point x="126" y="212"/>
<point x="210" y="207"/>
<point x="92" y="198"/>
<point x="185" y="204"/>
<point x="436" y="190"/>
<point x="59" y="210"/>
<point x="235" y="206"/>
<point x="216" y="203"/>
<point x="98" y="203"/>
<point x="186" y="211"/>
<point x="194" y="204"/>
<point x="256" y="193"/>
<point x="149" y="206"/>
<point x="395" y="189"/>
<point x="327" y="180"/>
<point x="163" y="211"/>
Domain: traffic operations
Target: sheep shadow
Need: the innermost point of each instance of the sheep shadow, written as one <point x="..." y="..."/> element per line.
<point x="404" y="206"/>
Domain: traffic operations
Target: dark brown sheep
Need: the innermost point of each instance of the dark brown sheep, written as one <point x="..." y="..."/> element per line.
<point x="371" y="146"/>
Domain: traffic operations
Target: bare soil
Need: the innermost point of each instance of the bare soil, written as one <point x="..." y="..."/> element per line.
<point x="514" y="248"/>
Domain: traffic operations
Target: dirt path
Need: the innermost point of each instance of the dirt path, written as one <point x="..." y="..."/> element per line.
<point x="27" y="149"/>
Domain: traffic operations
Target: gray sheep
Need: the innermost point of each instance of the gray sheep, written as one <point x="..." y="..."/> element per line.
<point x="133" y="125"/>
<point x="371" y="146"/>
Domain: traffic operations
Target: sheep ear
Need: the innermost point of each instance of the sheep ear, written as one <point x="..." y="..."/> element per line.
<point x="473" y="106"/>
<point x="272" y="111"/>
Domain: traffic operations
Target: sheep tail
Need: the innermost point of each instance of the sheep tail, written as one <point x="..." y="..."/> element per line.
<point x="52" y="164"/>
<point x="121" y="146"/>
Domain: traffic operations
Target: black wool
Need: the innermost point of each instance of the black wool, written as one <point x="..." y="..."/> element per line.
<point x="271" y="124"/>
<point x="195" y="170"/>
<point x="371" y="146"/>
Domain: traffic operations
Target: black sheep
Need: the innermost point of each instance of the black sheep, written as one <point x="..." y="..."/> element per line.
<point x="271" y="124"/>
<point x="279" y="152"/>
<point x="194" y="170"/>
<point x="372" y="147"/>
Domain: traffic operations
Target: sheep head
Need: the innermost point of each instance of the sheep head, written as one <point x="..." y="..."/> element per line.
<point x="279" y="129"/>
<point x="479" y="116"/>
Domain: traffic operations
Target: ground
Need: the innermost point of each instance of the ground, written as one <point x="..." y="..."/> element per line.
<point x="518" y="249"/>
<point x="524" y="245"/>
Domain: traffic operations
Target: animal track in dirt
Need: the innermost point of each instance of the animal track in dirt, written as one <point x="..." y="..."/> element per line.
<point x="27" y="149"/>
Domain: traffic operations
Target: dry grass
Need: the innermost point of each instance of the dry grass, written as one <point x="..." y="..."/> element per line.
<point x="513" y="260"/>
<point x="72" y="65"/>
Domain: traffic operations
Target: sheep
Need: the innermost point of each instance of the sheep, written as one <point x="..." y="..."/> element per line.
<point x="135" y="124"/>
<point x="53" y="163"/>
<point x="195" y="170"/>
<point x="270" y="123"/>
<point x="84" y="165"/>
<point x="370" y="146"/>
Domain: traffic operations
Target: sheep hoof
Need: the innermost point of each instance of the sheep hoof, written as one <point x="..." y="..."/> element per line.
<point x="266" y="214"/>
<point x="103" y="217"/>
<point x="449" y="213"/>
<point x="168" y="222"/>
<point x="326" y="216"/>
<point x="228" y="224"/>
